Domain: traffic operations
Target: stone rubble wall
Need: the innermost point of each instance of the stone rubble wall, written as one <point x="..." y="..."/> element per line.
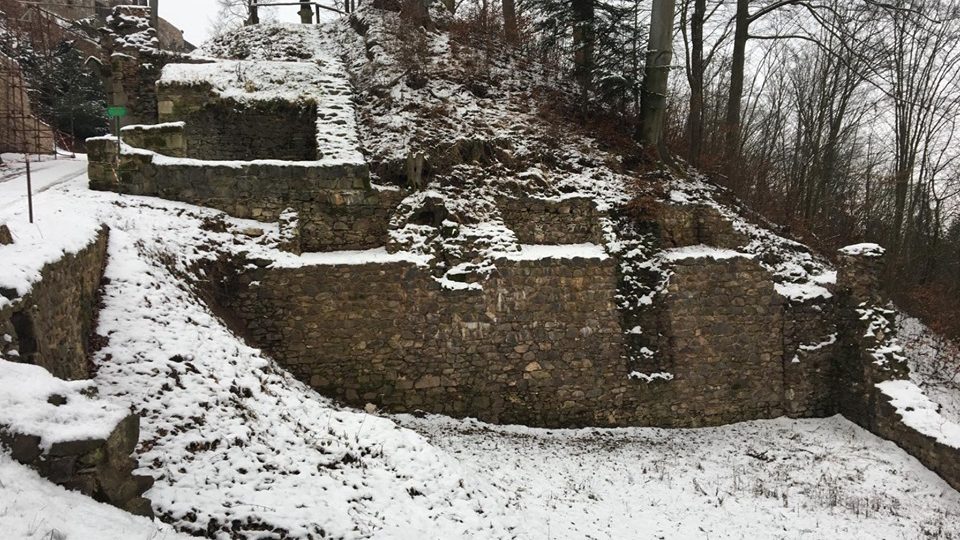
<point x="723" y="327"/>
<point x="810" y="349"/>
<point x="50" y="326"/>
<point x="869" y="356"/>
<point x="167" y="139"/>
<point x="683" y="225"/>
<point x="542" y="221"/>
<point x="219" y="129"/>
<point x="541" y="344"/>
<point x="99" y="468"/>
<point x="936" y="456"/>
<point x="131" y="63"/>
<point x="336" y="205"/>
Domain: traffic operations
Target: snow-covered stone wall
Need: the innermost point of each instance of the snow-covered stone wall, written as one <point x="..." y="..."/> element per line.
<point x="542" y="342"/>
<point x="50" y="325"/>
<point x="229" y="130"/>
<point x="570" y="220"/>
<point x="337" y="207"/>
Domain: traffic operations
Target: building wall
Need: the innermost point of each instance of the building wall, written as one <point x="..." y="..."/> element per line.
<point x="541" y="344"/>
<point x="544" y="221"/>
<point x="337" y="209"/>
<point x="20" y="131"/>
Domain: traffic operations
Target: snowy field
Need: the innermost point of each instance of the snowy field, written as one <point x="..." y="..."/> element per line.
<point x="241" y="449"/>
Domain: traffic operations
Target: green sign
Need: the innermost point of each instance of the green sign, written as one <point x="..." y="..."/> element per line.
<point x="116" y="112"/>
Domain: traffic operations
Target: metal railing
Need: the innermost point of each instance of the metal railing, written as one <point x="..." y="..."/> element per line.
<point x="309" y="10"/>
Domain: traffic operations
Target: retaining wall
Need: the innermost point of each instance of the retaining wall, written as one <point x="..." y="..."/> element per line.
<point x="50" y="326"/>
<point x="541" y="344"/>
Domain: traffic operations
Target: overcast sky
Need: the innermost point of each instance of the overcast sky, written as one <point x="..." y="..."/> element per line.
<point x="194" y="16"/>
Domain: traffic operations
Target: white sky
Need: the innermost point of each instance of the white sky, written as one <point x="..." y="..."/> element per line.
<point x="194" y="16"/>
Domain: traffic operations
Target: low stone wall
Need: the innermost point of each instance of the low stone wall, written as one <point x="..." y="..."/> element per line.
<point x="940" y="458"/>
<point x="99" y="468"/>
<point x="336" y="206"/>
<point x="689" y="225"/>
<point x="544" y="221"/>
<point x="167" y="139"/>
<point x="811" y="348"/>
<point x="50" y="326"/>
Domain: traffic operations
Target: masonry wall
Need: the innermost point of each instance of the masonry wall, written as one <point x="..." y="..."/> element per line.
<point x="220" y="129"/>
<point x="811" y="347"/>
<point x="337" y="208"/>
<point x="50" y="326"/>
<point x="542" y="344"/>
<point x="99" y="468"/>
<point x="544" y="221"/>
<point x="724" y="327"/>
<point x="687" y="225"/>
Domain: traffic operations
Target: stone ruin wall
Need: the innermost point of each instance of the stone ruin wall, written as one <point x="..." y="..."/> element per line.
<point x="51" y="327"/>
<point x="223" y="129"/>
<point x="336" y="206"/>
<point x="572" y="220"/>
<point x="541" y="344"/>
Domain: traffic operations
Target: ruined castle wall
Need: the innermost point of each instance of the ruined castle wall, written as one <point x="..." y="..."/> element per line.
<point x="541" y="344"/>
<point x="723" y="321"/>
<point x="337" y="208"/>
<point x="50" y="326"/>
<point x="538" y="345"/>
<point x="810" y="351"/>
<point x="542" y="221"/>
<point x="939" y="457"/>
<point x="688" y="225"/>
<point x="219" y="129"/>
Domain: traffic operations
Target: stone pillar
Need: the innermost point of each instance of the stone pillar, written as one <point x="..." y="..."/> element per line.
<point x="867" y="334"/>
<point x="306" y="12"/>
<point x="859" y="267"/>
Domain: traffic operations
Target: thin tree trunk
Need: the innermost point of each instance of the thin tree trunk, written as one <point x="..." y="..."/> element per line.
<point x="695" y="114"/>
<point x="731" y="123"/>
<point x="583" y="42"/>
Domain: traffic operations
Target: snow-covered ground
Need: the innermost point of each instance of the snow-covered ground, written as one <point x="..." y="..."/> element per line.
<point x="238" y="445"/>
<point x="33" y="508"/>
<point x="767" y="479"/>
<point x="934" y="364"/>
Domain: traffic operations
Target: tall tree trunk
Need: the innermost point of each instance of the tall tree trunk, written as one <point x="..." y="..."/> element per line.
<point x="695" y="114"/>
<point x="583" y="42"/>
<point x="510" y="32"/>
<point x="653" y="104"/>
<point x="731" y="122"/>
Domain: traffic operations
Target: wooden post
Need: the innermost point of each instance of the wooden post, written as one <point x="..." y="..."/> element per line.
<point x="26" y="158"/>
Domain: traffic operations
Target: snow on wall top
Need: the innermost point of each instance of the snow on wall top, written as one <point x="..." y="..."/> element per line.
<point x="531" y="252"/>
<point x="864" y="250"/>
<point x="322" y="82"/>
<point x="24" y="391"/>
<point x="702" y="252"/>
<point x="54" y="235"/>
<point x="920" y="413"/>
